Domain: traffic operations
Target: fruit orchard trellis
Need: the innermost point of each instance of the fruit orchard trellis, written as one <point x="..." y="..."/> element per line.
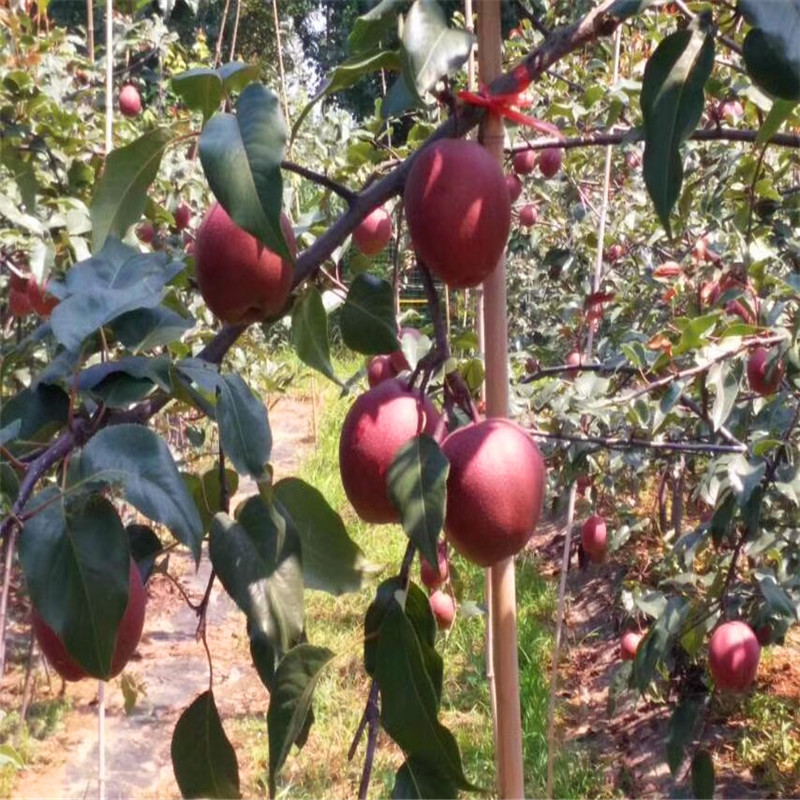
<point x="84" y="430"/>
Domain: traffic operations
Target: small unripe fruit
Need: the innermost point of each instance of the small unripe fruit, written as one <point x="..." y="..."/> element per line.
<point x="443" y="608"/>
<point x="629" y="644"/>
<point x="130" y="102"/>
<point x="495" y="490"/>
<point x="528" y="215"/>
<point x="762" y="380"/>
<point x="241" y="280"/>
<point x="458" y="211"/>
<point x="374" y="232"/>
<point x="550" y="161"/>
<point x="514" y="187"/>
<point x="378" y="423"/>
<point x="594" y="538"/>
<point x="128" y="634"/>
<point x="183" y="216"/>
<point x="433" y="577"/>
<point x="613" y="253"/>
<point x="380" y="369"/>
<point x="146" y="232"/>
<point x="733" y="655"/>
<point x="524" y="162"/>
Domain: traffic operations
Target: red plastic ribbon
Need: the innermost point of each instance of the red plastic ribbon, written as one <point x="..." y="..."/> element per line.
<point x="506" y="105"/>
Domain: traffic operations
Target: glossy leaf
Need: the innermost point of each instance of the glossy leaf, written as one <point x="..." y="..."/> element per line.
<point x="144" y="546"/>
<point x="672" y="104"/>
<point x="200" y="89"/>
<point x="76" y="561"/>
<point x="121" y="192"/>
<point x="33" y="415"/>
<point x="140" y="463"/>
<point x="290" y="700"/>
<point x="417" y="485"/>
<point x="203" y="759"/>
<point x="236" y="75"/>
<point x="310" y="332"/>
<point x="332" y="561"/>
<point x="703" y="775"/>
<point x="148" y="328"/>
<point x="370" y="28"/>
<point x="368" y="323"/>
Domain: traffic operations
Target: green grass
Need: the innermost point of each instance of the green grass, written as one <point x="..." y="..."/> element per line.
<point x="321" y="768"/>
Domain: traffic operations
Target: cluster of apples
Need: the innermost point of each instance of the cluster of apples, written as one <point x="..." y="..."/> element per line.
<point x="146" y="231"/>
<point x="525" y="162"/>
<point x="443" y="606"/>
<point x="26" y="297"/>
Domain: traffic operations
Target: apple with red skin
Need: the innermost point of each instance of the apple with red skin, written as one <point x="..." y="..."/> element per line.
<point x="433" y="577"/>
<point x="495" y="490"/>
<point x="458" y="211"/>
<point x="629" y="644"/>
<point x="183" y="216"/>
<point x="614" y="253"/>
<point x="374" y="232"/>
<point x="146" y="232"/>
<point x="128" y="634"/>
<point x="733" y="656"/>
<point x="380" y="369"/>
<point x="762" y="380"/>
<point x="524" y="162"/>
<point x="731" y="111"/>
<point x="377" y="425"/>
<point x="574" y="359"/>
<point x="241" y="280"/>
<point x="594" y="538"/>
<point x="443" y="608"/>
<point x="130" y="101"/>
<point x="19" y="301"/>
<point x="633" y="160"/>
<point x="528" y="215"/>
<point x="550" y="161"/>
<point x="514" y="187"/>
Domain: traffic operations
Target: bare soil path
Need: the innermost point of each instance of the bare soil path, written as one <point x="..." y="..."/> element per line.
<point x="171" y="663"/>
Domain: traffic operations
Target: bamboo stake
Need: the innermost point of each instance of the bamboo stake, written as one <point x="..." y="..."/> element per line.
<point x="90" y="29"/>
<point x="109" y="76"/>
<point x="280" y="60"/>
<point x="235" y="33"/>
<point x="502" y="611"/>
<point x="223" y="22"/>
<point x="8" y="565"/>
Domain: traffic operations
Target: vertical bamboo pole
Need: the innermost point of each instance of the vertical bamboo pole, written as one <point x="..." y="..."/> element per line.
<point x="280" y="59"/>
<point x="90" y="29"/>
<point x="503" y="612"/>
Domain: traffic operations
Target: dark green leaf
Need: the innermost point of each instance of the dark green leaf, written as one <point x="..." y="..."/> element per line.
<point x="722" y="518"/>
<point x="656" y="646"/>
<point x="417" y="484"/>
<point x="400" y="97"/>
<point x="681" y="727"/>
<point x="200" y="89"/>
<point x="368" y="323"/>
<point x="147" y="328"/>
<point x="776" y="596"/>
<point x="77" y="562"/>
<point x="22" y="172"/>
<point x="33" y="415"/>
<point x="781" y="110"/>
<point x="121" y="192"/>
<point x="237" y="74"/>
<point x="290" y="700"/>
<point x="672" y="104"/>
<point x="99" y="378"/>
<point x="144" y="547"/>
<point x="703" y="775"/>
<point x="745" y="475"/>
<point x="241" y="157"/>
<point x="203" y="760"/>
<point x="624" y="9"/>
<point x="620" y="683"/>
<point x="140" y="462"/>
<point x="332" y="561"/>
<point x="725" y="378"/>
<point x="416" y="779"/>
<point x="370" y="28"/>
<point x="9" y="485"/>
<point x="258" y="561"/>
<point x="310" y="332"/>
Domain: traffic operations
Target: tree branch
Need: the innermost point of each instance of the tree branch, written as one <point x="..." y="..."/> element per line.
<point x="323" y="180"/>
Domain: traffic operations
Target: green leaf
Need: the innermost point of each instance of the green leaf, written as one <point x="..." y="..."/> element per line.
<point x="200" y="89"/>
<point x="745" y="475"/>
<point x="206" y="491"/>
<point x="290" y="700"/>
<point x="703" y="775"/>
<point x="432" y="49"/>
<point x="776" y="596"/>
<point x="236" y="75"/>
<point x="417" y="485"/>
<point x="624" y="9"/>
<point x="22" y="172"/>
<point x="258" y="562"/>
<point x="368" y="323"/>
<point x="724" y="377"/>
<point x="310" y="332"/>
<point x="772" y="48"/>
<point x="100" y="379"/>
<point x="203" y="759"/>
<point x="672" y="104"/>
<point x="417" y="779"/>
<point x="619" y="686"/>
<point x="722" y="518"/>
<point x="33" y="415"/>
<point x="332" y="561"/>
<point x="400" y="97"/>
<point x="370" y="28"/>
<point x="781" y="110"/>
<point x="121" y="192"/>
<point x="147" y="328"/>
<point x="140" y="462"/>
<point x="76" y="561"/>
<point x="241" y="157"/>
<point x="681" y="727"/>
<point x="144" y="546"/>
<point x="408" y="698"/>
<point x="656" y="646"/>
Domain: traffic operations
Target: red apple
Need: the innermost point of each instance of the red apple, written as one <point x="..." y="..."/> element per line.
<point x="443" y="608"/>
<point x="550" y="161"/>
<point x="731" y="111"/>
<point x="633" y="160"/>
<point x="495" y="490"/>
<point x="528" y="215"/>
<point x="433" y="577"/>
<point x="458" y="211"/>
<point x="594" y="537"/>
<point x="614" y="253"/>
<point x="733" y="655"/>
<point x="629" y="644"/>
<point x="130" y="102"/>
<point x="762" y="380"/>
<point x="374" y="232"/>
<point x="514" y="187"/>
<point x="146" y="232"/>
<point x="183" y="216"/>
<point x="128" y="634"/>
<point x="241" y="280"/>
<point x="380" y="369"/>
<point x="378" y="423"/>
<point x="524" y="162"/>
